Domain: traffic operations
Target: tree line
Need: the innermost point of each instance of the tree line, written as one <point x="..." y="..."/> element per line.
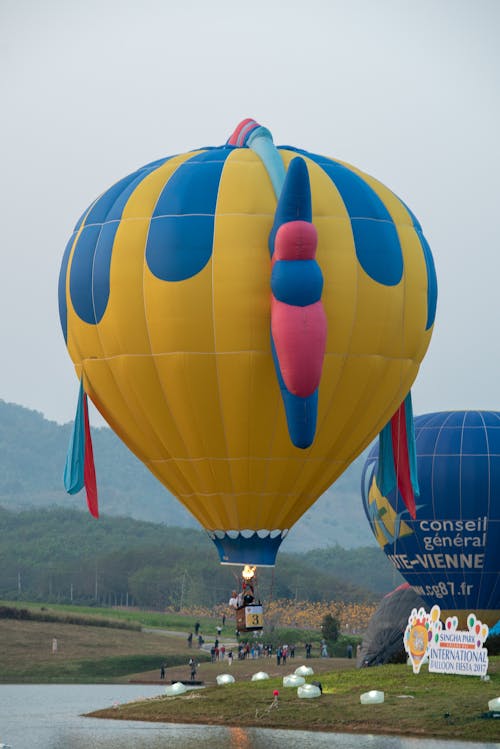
<point x="61" y="555"/>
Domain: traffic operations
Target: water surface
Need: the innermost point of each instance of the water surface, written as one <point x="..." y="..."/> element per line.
<point x="50" y="717"/>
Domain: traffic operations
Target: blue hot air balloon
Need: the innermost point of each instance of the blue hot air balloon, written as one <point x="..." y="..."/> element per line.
<point x="449" y="552"/>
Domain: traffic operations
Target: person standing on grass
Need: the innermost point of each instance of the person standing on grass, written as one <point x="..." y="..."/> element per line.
<point x="193" y="667"/>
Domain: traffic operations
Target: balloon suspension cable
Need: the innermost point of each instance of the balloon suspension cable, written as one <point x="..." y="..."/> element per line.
<point x="271" y="592"/>
<point x="398" y="496"/>
<point x="237" y="579"/>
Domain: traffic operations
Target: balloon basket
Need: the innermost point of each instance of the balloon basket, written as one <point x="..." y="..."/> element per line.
<point x="249" y="618"/>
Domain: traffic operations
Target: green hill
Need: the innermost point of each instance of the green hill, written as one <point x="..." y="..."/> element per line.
<point x="60" y="555"/>
<point x="32" y="455"/>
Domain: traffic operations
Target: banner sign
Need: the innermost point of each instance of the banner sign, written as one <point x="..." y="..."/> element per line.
<point x="447" y="649"/>
<point x="249" y="618"/>
<point x="254" y="617"/>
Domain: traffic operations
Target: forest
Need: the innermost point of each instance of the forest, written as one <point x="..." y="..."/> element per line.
<point x="145" y="549"/>
<point x="64" y="555"/>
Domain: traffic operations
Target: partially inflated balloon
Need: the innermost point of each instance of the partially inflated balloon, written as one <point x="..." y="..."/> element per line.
<point x="247" y="318"/>
<point x="450" y="551"/>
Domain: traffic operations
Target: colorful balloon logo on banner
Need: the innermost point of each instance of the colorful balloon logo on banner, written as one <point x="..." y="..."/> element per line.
<point x="450" y="552"/>
<point x="247" y="318"/>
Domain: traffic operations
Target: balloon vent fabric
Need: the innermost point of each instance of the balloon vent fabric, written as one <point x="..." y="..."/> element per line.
<point x="79" y="470"/>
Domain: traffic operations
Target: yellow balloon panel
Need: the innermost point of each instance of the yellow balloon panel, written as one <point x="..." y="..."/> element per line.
<point x="241" y="263"/>
<point x="249" y="401"/>
<point x="180" y="315"/>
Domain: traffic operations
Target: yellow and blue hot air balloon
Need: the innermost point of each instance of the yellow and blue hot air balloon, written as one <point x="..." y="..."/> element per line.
<point x="247" y="318"/>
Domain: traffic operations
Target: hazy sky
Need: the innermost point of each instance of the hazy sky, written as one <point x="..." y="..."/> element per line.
<point x="407" y="91"/>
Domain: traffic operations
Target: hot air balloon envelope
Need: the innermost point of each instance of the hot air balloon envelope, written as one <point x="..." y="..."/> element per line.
<point x="247" y="318"/>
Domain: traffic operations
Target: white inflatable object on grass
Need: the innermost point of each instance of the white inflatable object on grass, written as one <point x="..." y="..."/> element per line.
<point x="293" y="680"/>
<point x="373" y="697"/>
<point x="175" y="689"/>
<point x="308" y="691"/>
<point x="225" y="679"/>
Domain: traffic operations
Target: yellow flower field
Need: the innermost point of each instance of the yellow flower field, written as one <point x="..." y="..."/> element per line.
<point x="353" y="617"/>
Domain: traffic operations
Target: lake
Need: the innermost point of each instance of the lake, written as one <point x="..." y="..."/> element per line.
<point x="50" y="717"/>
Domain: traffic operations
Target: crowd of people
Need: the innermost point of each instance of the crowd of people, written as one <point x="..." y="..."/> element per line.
<point x="353" y="616"/>
<point x="249" y="649"/>
<point x="245" y="649"/>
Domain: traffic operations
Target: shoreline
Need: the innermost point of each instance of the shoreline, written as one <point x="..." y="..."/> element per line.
<point x="361" y="729"/>
<point x="425" y="706"/>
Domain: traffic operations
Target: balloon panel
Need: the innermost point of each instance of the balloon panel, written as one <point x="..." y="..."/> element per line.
<point x="165" y="303"/>
<point x="450" y="553"/>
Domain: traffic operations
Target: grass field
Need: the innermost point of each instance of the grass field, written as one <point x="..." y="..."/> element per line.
<point x="177" y="622"/>
<point x="425" y="705"/>
<point x="84" y="654"/>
